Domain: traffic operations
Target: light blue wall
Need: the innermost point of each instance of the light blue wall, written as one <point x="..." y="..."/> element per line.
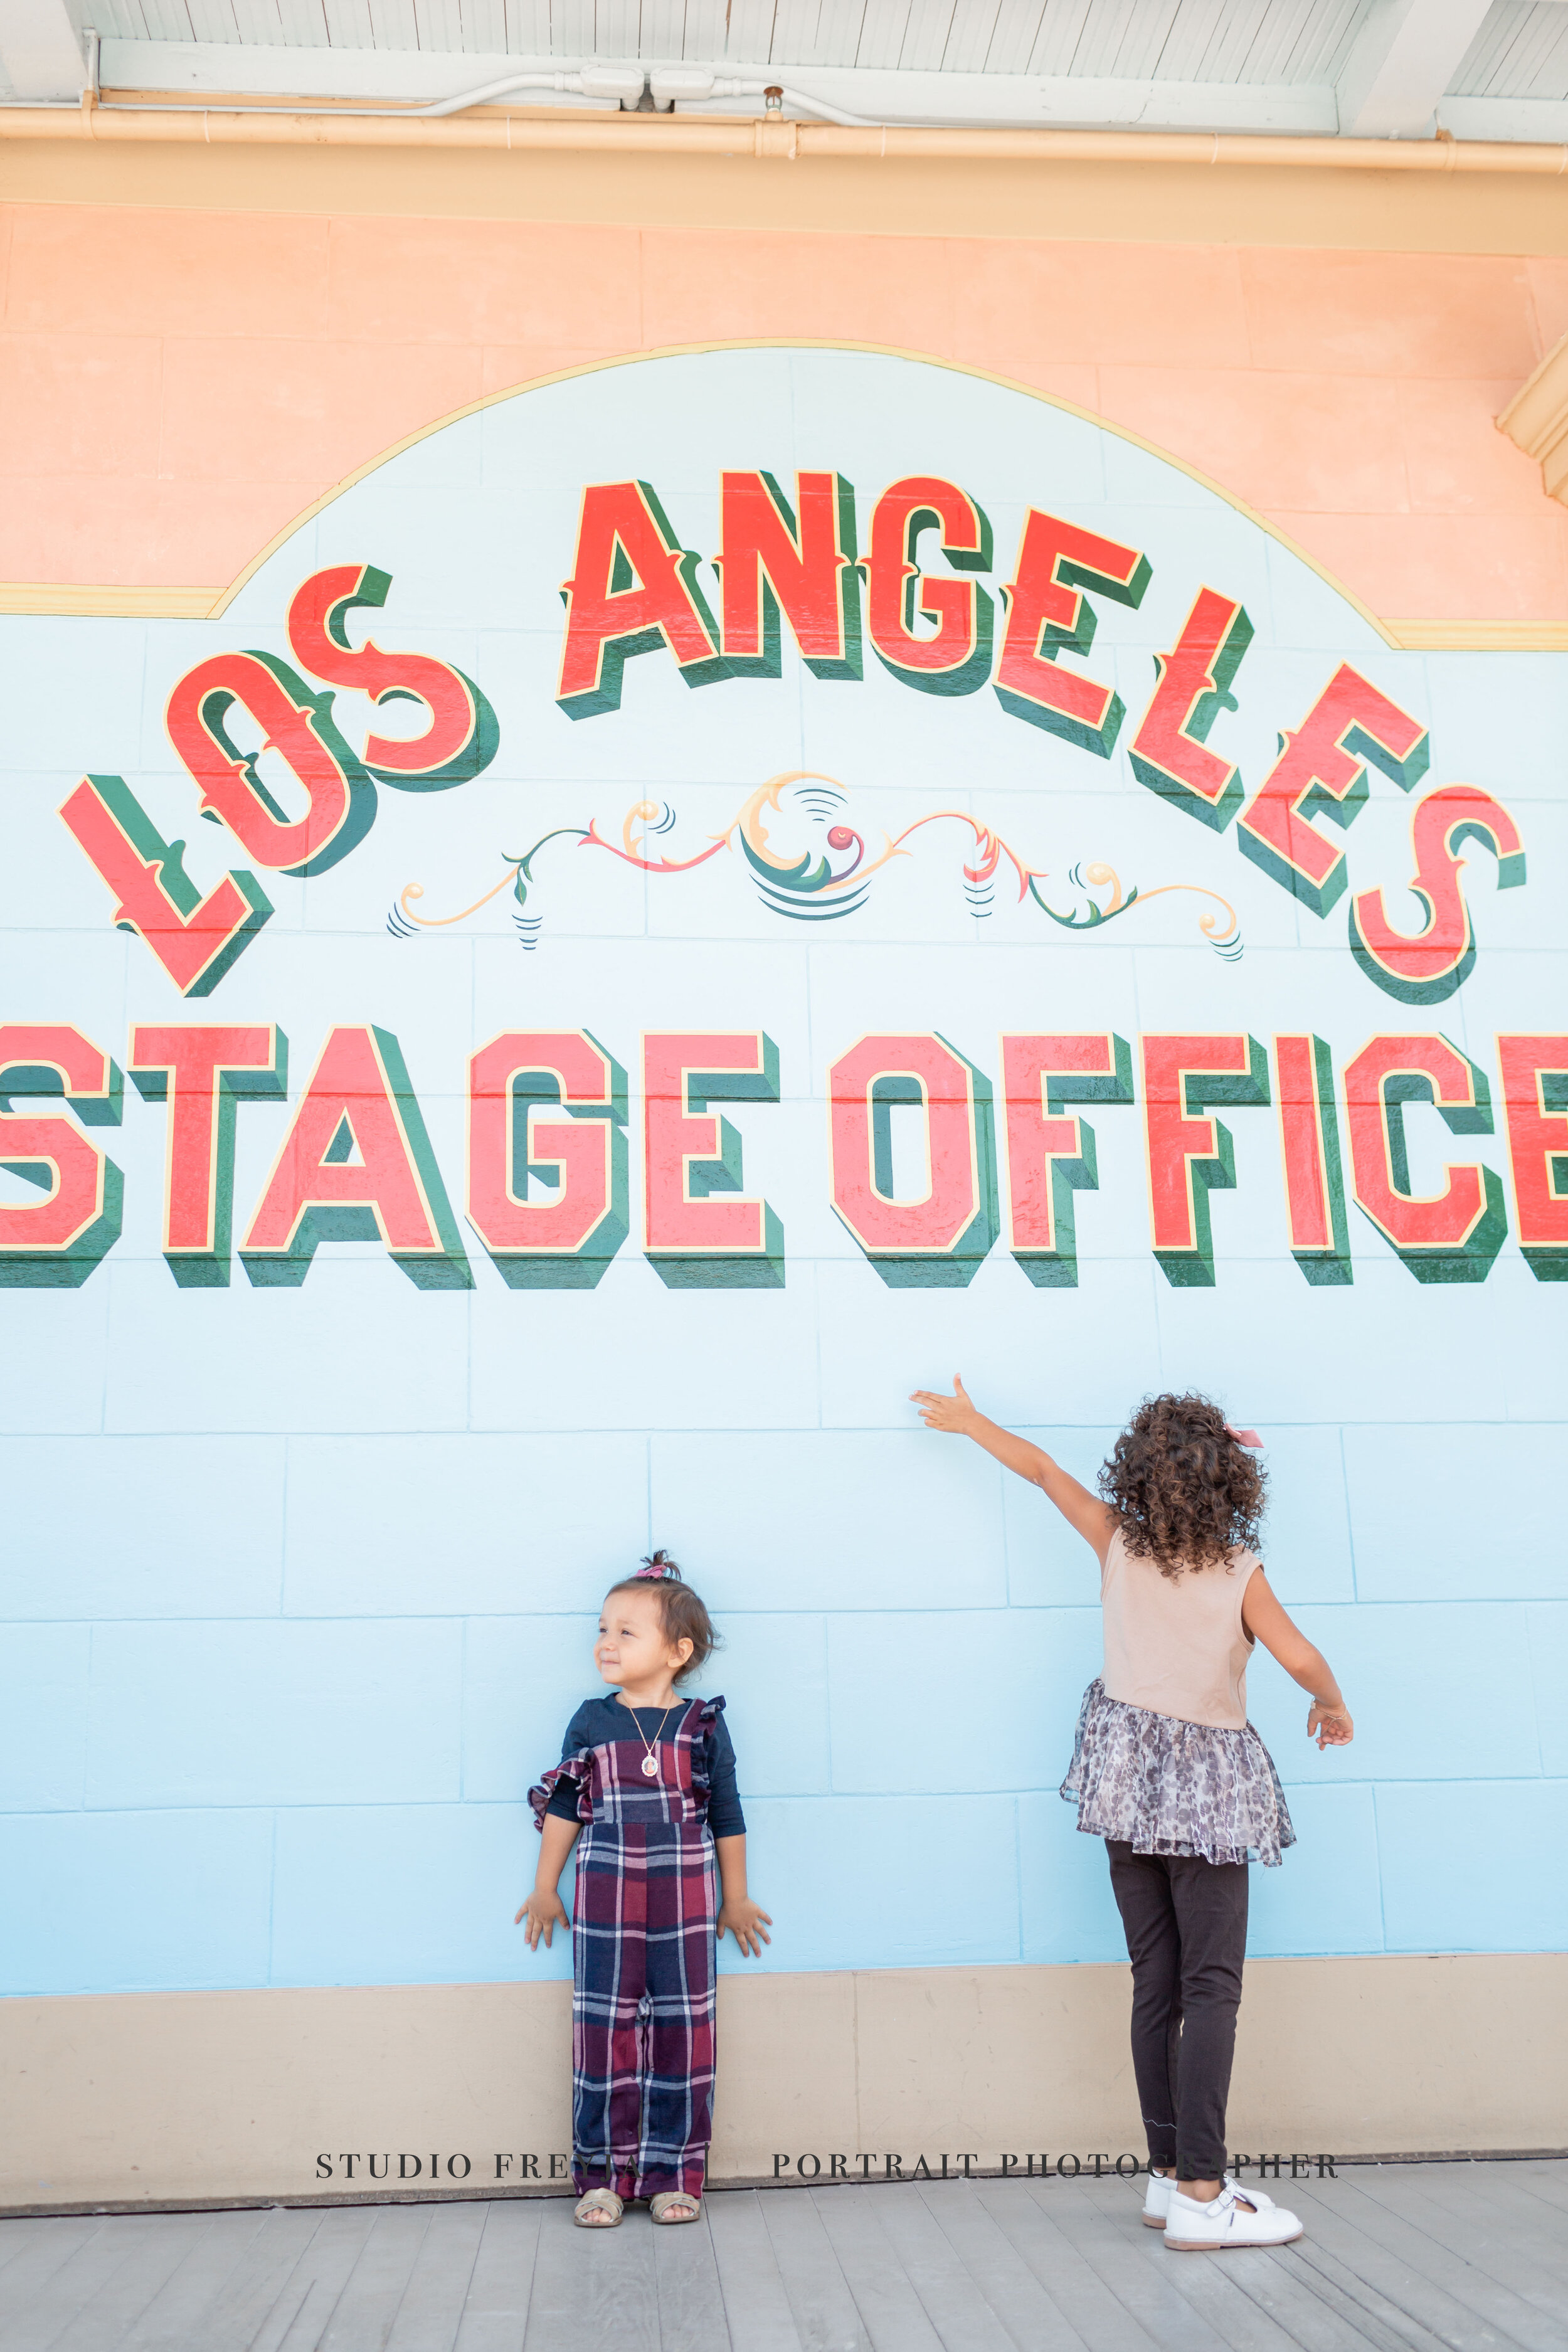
<point x="300" y="1585"/>
<point x="324" y="1783"/>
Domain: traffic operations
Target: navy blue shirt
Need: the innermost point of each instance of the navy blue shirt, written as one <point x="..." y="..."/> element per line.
<point x="600" y="1720"/>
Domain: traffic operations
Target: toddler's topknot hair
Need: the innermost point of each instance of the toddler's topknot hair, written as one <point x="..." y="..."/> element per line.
<point x="682" y="1613"/>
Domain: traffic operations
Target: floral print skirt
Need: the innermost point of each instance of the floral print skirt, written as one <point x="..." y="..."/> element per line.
<point x="1169" y="1787"/>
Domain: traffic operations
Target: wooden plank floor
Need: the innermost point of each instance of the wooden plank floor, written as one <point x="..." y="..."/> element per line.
<point x="1401" y="2258"/>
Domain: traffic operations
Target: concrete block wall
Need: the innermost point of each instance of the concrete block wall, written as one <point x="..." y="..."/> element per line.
<point x="298" y="1756"/>
<point x="300" y="1585"/>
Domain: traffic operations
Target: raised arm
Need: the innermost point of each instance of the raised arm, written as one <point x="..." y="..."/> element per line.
<point x="958" y="1416"/>
<point x="1328" y="1717"/>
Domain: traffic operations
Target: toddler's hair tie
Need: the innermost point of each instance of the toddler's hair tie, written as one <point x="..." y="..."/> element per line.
<point x="660" y="1568"/>
<point x="1245" y="1437"/>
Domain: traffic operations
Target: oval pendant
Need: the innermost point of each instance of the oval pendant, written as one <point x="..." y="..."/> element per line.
<point x="650" y="1767"/>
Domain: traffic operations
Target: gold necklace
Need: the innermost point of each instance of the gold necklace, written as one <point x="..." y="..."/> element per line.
<point x="650" y="1762"/>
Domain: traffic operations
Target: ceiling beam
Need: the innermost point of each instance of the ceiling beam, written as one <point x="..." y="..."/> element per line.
<point x="1541" y="121"/>
<point x="1400" y="64"/>
<point x="41" y="56"/>
<point x="195" y="69"/>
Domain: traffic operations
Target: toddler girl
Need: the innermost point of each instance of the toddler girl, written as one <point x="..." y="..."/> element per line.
<point x="647" y="1780"/>
<point x="1168" y="1771"/>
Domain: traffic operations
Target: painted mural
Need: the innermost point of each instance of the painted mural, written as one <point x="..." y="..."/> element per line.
<point x="690" y="900"/>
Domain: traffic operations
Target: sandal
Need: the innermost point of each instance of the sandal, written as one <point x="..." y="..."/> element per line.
<point x="596" y="2202"/>
<point x="666" y="2206"/>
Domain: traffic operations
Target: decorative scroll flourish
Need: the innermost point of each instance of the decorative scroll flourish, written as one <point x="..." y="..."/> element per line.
<point x="809" y="865"/>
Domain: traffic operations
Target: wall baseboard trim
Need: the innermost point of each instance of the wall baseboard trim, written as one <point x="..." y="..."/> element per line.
<point x="199" y="2101"/>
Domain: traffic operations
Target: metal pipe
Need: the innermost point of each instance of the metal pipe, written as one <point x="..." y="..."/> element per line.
<point x="695" y="135"/>
<point x="585" y="81"/>
<point x="675" y="85"/>
<point x="622" y="84"/>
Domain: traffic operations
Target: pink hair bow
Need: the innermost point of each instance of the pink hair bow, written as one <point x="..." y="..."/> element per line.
<point x="1245" y="1437"/>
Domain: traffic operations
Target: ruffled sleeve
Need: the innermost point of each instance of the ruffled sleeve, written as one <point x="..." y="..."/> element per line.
<point x="713" y="1772"/>
<point x="708" y="1710"/>
<point x="578" y="1768"/>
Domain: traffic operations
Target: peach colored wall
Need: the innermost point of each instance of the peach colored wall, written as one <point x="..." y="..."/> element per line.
<point x="176" y="385"/>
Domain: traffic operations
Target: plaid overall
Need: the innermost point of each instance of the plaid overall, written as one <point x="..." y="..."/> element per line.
<point x="642" y="1960"/>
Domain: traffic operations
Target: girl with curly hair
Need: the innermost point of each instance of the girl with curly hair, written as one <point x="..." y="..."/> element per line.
<point x="1168" y="1771"/>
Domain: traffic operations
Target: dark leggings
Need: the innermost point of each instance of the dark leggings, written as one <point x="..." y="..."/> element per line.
<point x="1186" y="1937"/>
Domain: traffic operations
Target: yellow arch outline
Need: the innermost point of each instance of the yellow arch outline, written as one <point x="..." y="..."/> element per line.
<point x="786" y="343"/>
<point x="204" y="604"/>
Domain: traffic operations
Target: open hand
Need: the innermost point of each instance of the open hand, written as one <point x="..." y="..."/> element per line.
<point x="748" y="1923"/>
<point x="544" y="1913"/>
<point x="955" y="1415"/>
<point x="1330" y="1727"/>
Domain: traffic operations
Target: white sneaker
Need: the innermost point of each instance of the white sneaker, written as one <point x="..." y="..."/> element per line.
<point x="1157" y="2203"/>
<point x="1234" y="2217"/>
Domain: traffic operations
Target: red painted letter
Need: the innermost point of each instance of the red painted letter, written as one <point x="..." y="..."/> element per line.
<point x="194" y="938"/>
<point x="1322" y="766"/>
<point x="938" y="1241"/>
<point x="633" y="588"/>
<point x="564" y="1243"/>
<point x="770" y="559"/>
<point x="295" y="723"/>
<point x="1309" y="1141"/>
<point x="460" y="738"/>
<point x="202" y="1073"/>
<point x="54" y="1243"/>
<point x="1169" y="753"/>
<point x="1046" y="612"/>
<point x="1431" y="966"/>
<point x="694" y="1241"/>
<point x="360" y="1100"/>
<point x="1050" y="1156"/>
<point x="1189" y="1155"/>
<point x="1535" y="1102"/>
<point x="1447" y="1236"/>
<point x="955" y="658"/>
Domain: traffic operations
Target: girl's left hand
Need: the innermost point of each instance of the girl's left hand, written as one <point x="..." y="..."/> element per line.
<point x="1330" y="1727"/>
<point x="748" y="1923"/>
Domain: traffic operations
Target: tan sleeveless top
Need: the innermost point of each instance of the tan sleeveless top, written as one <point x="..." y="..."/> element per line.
<point x="1176" y="1645"/>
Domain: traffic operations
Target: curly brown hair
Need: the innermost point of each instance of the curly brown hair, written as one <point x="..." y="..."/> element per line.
<point x="683" y="1615"/>
<point x="1185" y="1492"/>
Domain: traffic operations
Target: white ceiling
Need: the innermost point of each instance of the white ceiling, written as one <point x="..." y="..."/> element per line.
<point x="1254" y="40"/>
<point x="1480" y="68"/>
<point x="1521" y="51"/>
